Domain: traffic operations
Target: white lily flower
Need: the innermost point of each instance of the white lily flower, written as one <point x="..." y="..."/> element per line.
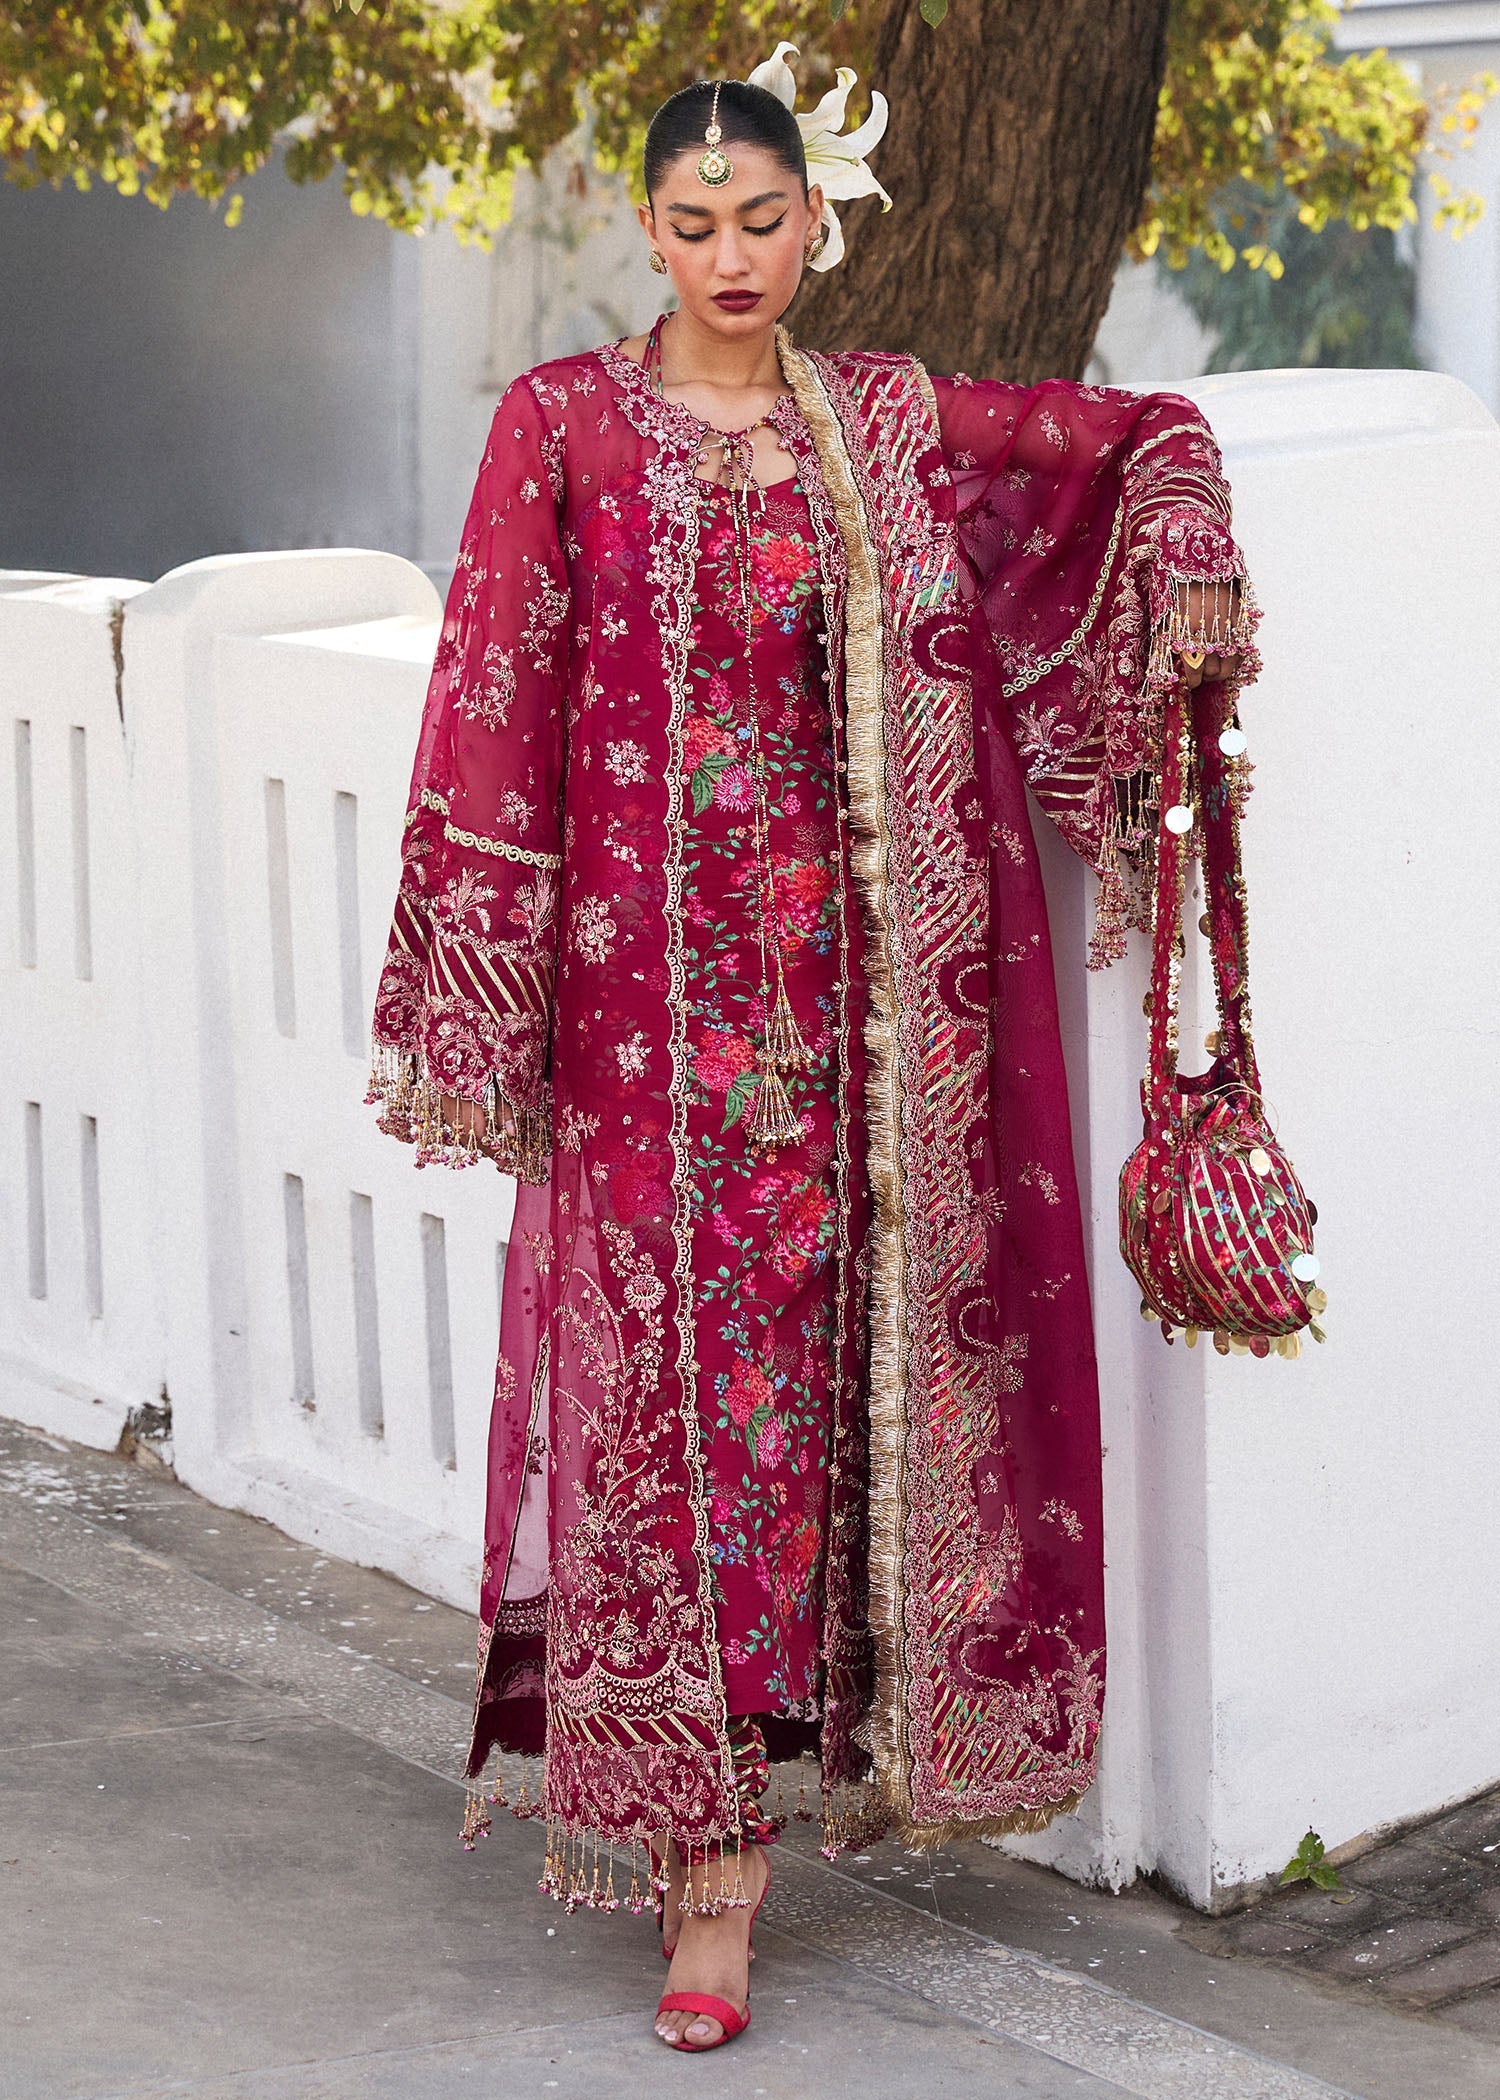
<point x="834" y="161"/>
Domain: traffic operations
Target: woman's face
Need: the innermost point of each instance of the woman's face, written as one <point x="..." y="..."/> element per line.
<point x="735" y="254"/>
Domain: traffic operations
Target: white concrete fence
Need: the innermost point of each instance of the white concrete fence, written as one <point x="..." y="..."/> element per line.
<point x="199" y="830"/>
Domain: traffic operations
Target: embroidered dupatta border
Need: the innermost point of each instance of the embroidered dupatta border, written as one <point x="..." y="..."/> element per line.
<point x="891" y="1340"/>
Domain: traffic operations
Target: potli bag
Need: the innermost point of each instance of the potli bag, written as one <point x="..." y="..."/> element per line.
<point x="1214" y="1224"/>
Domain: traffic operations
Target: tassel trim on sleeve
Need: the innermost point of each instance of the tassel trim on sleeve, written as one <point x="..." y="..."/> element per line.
<point x="513" y="1137"/>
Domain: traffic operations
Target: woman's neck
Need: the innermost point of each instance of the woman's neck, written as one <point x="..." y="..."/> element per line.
<point x="692" y="353"/>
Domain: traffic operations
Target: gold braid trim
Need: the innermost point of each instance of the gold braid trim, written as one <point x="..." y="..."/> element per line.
<point x="870" y="855"/>
<point x="502" y="848"/>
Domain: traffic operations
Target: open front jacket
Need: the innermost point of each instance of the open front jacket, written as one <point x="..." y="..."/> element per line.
<point x="1002" y="573"/>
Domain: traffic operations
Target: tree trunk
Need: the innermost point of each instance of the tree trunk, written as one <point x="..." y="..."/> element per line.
<point x="1017" y="156"/>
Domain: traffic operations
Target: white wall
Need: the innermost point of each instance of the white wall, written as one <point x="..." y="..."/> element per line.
<point x="1303" y="1559"/>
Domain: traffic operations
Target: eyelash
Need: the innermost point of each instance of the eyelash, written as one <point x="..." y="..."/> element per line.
<point x="694" y="238"/>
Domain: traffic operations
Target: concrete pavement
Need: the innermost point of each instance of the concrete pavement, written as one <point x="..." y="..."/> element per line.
<point x="228" y="1820"/>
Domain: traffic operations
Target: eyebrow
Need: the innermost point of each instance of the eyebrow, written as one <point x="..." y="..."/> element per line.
<point x="701" y="211"/>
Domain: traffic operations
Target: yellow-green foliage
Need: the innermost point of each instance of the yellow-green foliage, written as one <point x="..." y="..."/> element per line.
<point x="1254" y="95"/>
<point x="430" y="106"/>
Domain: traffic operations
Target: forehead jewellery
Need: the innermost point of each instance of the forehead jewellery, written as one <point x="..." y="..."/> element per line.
<point x="714" y="165"/>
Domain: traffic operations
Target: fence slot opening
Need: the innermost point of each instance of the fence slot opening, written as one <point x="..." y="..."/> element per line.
<point x="346" y="881"/>
<point x="279" y="906"/>
<point x="93" y="1240"/>
<point x="36" y="1204"/>
<point x="299" y="1299"/>
<point x="83" y="925"/>
<point x="25" y="850"/>
<point x="366" y="1315"/>
<point x="439" y="1339"/>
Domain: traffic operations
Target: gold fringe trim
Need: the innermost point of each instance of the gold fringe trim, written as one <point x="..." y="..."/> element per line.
<point x="1208" y="637"/>
<point x="925" y="1837"/>
<point x="411" y="1109"/>
<point x="870" y="855"/>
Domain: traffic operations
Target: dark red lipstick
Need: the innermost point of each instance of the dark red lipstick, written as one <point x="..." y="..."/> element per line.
<point x="737" y="302"/>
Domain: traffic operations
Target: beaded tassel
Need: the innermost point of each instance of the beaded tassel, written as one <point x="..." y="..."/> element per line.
<point x="773" y="1121"/>
<point x="784" y="1046"/>
<point x="476" y="1823"/>
<point x="712" y="1901"/>
<point x="636" y="1901"/>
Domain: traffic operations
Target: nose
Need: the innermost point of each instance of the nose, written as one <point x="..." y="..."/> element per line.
<point x="731" y="255"/>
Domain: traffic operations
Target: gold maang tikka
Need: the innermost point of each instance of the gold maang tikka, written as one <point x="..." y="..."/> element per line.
<point x="714" y="165"/>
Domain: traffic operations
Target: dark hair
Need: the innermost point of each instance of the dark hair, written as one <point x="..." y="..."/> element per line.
<point x="748" y="116"/>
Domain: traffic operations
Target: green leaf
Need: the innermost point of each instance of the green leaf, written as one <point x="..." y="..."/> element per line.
<point x="933" y="12"/>
<point x="1305" y="1864"/>
<point x="753" y="1428"/>
<point x="736" y="1098"/>
<point x="703" y="780"/>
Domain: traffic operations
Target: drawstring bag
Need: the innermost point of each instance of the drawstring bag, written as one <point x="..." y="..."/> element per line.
<point x="1214" y="1224"/>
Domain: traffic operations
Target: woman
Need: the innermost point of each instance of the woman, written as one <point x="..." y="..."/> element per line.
<point x="720" y="927"/>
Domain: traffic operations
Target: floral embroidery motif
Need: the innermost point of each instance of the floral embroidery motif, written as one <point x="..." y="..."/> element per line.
<point x="489" y="701"/>
<point x="626" y="760"/>
<point x="593" y="929"/>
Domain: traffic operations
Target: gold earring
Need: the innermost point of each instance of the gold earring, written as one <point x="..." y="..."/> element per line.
<point x="658" y="262"/>
<point x="816" y="246"/>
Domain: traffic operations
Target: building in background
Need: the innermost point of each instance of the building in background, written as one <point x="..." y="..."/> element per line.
<point x="170" y="389"/>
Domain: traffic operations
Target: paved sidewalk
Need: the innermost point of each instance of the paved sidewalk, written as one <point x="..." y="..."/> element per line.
<point x="230" y="1872"/>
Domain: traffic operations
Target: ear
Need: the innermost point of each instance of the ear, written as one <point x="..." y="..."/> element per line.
<point x="814" y="206"/>
<point x="648" y="219"/>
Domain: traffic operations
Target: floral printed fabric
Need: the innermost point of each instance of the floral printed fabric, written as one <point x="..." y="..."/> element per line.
<point x="763" y="1231"/>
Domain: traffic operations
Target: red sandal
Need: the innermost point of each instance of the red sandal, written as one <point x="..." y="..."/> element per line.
<point x="711" y="2008"/>
<point x="728" y="2016"/>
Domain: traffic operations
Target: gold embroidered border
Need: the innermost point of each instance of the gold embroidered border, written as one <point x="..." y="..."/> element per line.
<point x="427" y="798"/>
<point x="502" y="848"/>
<point x="865" y="742"/>
<point x="1080" y="632"/>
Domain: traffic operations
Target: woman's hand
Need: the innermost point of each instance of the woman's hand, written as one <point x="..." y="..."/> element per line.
<point x="471" y="1119"/>
<point x="1203" y="605"/>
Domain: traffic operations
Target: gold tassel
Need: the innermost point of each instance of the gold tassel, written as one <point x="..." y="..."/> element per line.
<point x="773" y="1120"/>
<point x="784" y="1046"/>
<point x="476" y="1823"/>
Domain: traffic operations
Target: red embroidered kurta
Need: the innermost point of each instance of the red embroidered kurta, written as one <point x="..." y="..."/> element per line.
<point x="771" y="1239"/>
<point x="818" y="1438"/>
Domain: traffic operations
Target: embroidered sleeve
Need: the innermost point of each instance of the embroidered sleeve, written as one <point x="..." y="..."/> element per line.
<point x="464" y="1004"/>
